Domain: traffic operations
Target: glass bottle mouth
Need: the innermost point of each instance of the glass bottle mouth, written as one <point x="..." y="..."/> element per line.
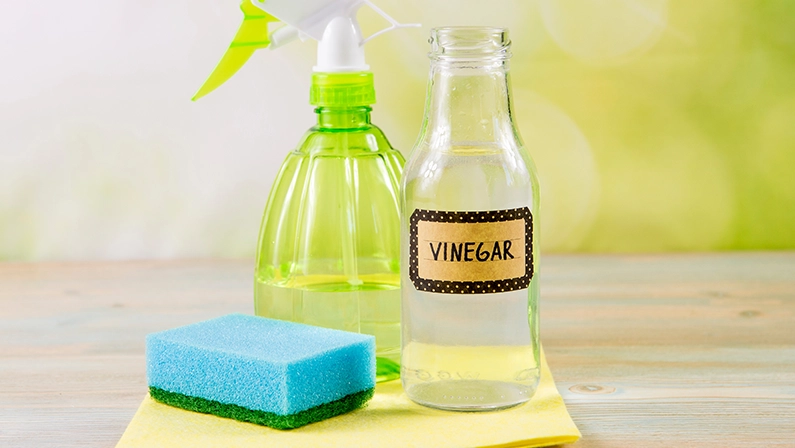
<point x="469" y="43"/>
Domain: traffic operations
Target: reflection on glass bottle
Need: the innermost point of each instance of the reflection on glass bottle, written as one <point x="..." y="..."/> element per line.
<point x="469" y="253"/>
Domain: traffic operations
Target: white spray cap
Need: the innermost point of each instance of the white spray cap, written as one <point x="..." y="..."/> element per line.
<point x="340" y="49"/>
<point x="332" y="23"/>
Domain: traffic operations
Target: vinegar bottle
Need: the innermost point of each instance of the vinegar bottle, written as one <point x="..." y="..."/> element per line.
<point x="468" y="239"/>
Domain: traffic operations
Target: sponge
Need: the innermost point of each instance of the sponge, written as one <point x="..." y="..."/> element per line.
<point x="264" y="371"/>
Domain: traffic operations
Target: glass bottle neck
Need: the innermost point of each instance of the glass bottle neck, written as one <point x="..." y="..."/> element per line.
<point x="468" y="104"/>
<point x="343" y="118"/>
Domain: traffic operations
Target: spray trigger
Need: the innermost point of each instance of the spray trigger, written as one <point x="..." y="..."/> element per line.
<point x="251" y="36"/>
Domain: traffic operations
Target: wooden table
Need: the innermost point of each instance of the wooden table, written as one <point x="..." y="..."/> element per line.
<point x="669" y="350"/>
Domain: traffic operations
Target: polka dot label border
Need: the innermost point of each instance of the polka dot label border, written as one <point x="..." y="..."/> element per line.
<point x="473" y="287"/>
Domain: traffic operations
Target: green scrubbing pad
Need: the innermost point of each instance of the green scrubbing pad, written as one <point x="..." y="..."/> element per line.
<point x="315" y="414"/>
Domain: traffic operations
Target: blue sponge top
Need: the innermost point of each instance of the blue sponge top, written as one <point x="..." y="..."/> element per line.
<point x="261" y="364"/>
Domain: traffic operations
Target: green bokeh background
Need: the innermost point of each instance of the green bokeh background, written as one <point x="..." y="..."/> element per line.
<point x="656" y="125"/>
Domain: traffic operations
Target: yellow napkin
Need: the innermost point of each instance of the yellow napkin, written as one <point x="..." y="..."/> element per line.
<point x="389" y="420"/>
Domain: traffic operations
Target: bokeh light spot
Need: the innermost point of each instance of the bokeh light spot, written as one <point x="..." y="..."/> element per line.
<point x="603" y="31"/>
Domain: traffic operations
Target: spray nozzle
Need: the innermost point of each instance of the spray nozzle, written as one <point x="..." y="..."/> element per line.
<point x="312" y="27"/>
<point x="331" y="22"/>
<point x="393" y="24"/>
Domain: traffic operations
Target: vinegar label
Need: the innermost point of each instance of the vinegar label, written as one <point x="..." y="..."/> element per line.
<point x="471" y="252"/>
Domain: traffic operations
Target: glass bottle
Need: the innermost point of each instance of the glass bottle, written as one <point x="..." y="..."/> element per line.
<point x="330" y="238"/>
<point x="469" y="252"/>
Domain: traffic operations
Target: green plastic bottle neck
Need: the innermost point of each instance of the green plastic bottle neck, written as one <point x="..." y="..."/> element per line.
<point x="343" y="118"/>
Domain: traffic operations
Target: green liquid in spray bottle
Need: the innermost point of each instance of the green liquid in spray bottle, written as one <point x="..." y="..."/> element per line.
<point x="329" y="245"/>
<point x="328" y="251"/>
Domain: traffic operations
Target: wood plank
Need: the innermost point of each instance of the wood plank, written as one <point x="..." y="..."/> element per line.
<point x="692" y="350"/>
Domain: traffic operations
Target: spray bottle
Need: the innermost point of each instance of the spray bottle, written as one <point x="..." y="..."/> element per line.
<point x="329" y="245"/>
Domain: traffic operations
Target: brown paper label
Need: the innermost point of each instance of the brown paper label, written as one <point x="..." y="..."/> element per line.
<point x="471" y="252"/>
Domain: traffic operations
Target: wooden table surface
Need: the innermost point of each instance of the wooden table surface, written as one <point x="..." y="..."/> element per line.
<point x="668" y="350"/>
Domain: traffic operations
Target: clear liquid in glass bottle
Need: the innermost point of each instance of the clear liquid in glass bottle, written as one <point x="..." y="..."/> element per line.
<point x="468" y="247"/>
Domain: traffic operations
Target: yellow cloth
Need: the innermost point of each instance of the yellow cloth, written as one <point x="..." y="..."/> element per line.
<point x="389" y="420"/>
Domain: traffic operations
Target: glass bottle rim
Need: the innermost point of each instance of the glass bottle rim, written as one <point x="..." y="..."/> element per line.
<point x="469" y="43"/>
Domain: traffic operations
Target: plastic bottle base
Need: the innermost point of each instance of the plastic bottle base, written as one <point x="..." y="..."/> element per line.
<point x="386" y="369"/>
